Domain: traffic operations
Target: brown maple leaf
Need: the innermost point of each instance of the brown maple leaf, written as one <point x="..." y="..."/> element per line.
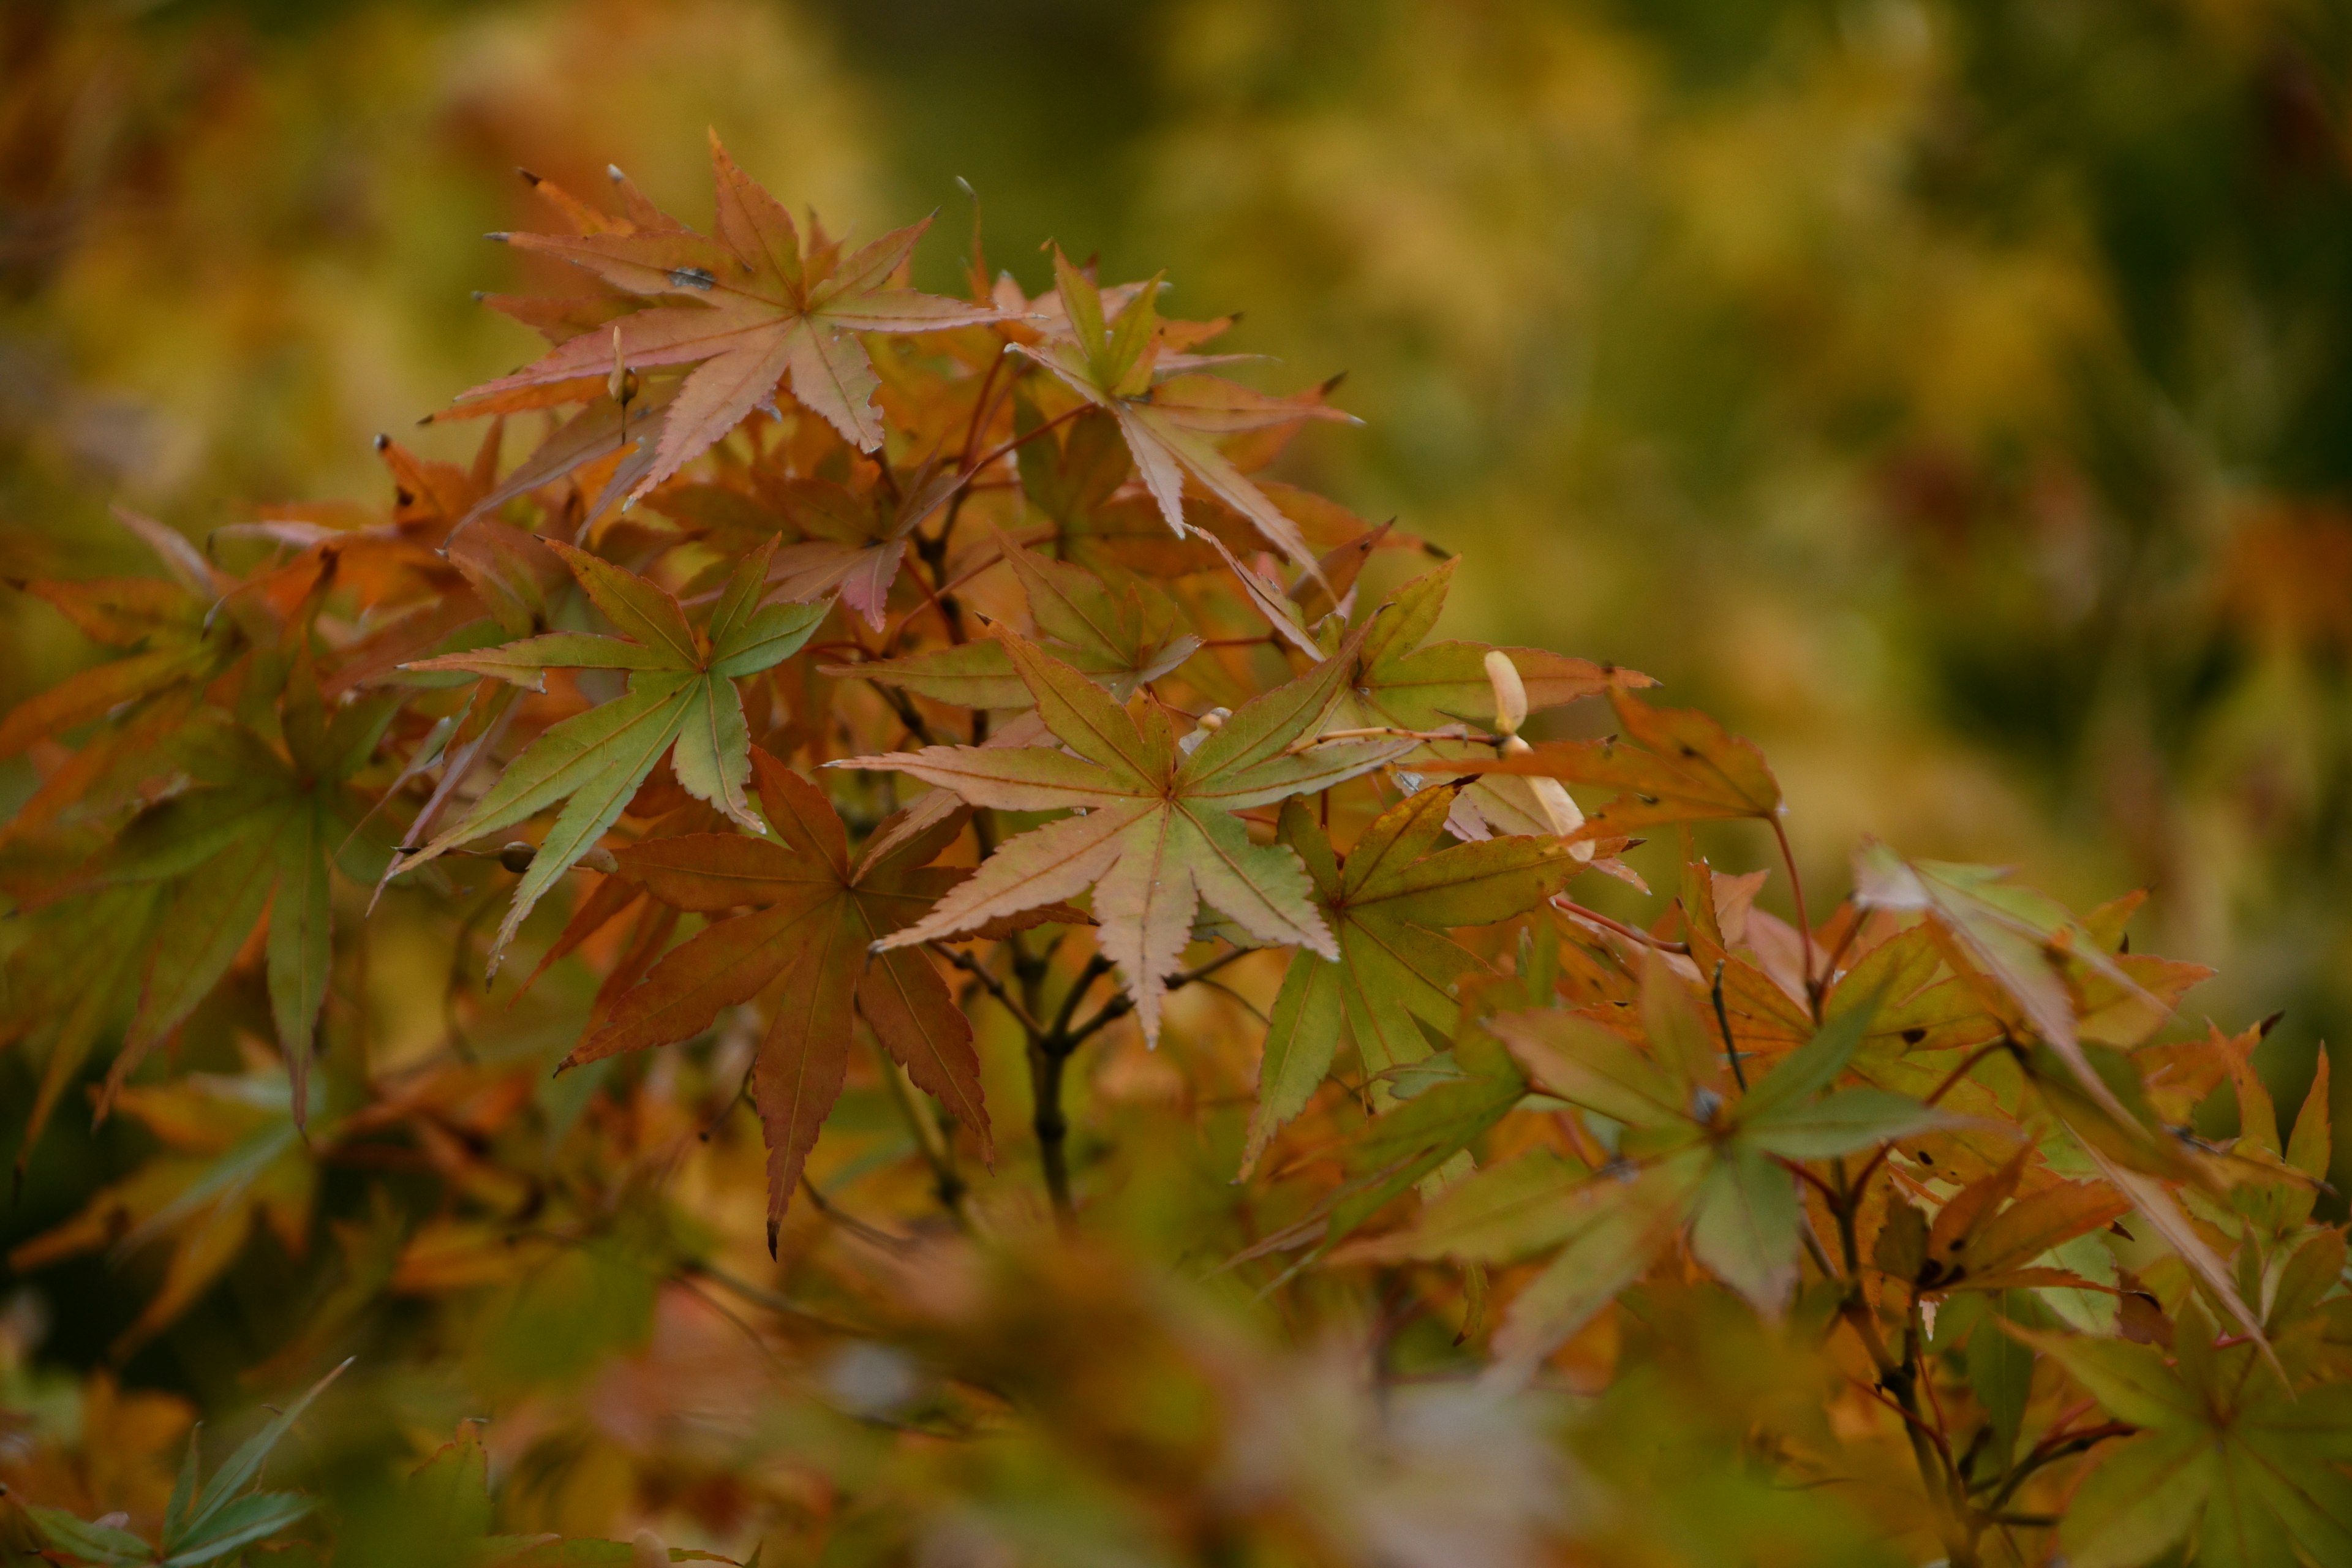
<point x="812" y="915"/>
<point x="761" y="300"/>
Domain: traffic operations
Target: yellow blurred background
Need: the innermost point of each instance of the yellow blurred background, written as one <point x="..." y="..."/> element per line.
<point x="1957" y="398"/>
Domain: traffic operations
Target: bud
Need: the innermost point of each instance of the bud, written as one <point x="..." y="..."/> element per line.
<point x="617" y="383"/>
<point x="1206" y="725"/>
<point x="1510" y="692"/>
<point x="518" y="856"/>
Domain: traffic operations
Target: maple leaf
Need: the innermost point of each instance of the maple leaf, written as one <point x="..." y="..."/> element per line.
<point x="1401" y="683"/>
<point x="1672" y="765"/>
<point x="256" y="833"/>
<point x="817" y="914"/>
<point x="178" y="643"/>
<point x="1169" y="424"/>
<point x="856" y="537"/>
<point x="2224" y="1448"/>
<point x="1157" y="837"/>
<point x="1388" y="902"/>
<point x="764" y="299"/>
<point x="2012" y="935"/>
<point x="1076" y="477"/>
<point x="681" y="701"/>
<point x="1122" y="637"/>
<point x="1700" y="1156"/>
<point x="1400" y="680"/>
<point x="442" y="1514"/>
<point x="1980" y="1240"/>
<point x="233" y="1157"/>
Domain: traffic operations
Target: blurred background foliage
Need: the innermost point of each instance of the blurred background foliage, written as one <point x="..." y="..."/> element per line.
<point x="1956" y="397"/>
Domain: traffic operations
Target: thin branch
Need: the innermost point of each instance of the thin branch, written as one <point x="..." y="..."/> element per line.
<point x="1120" y="1006"/>
<point x="1804" y="922"/>
<point x="992" y="985"/>
<point x="1570" y="907"/>
<point x="849" y="1222"/>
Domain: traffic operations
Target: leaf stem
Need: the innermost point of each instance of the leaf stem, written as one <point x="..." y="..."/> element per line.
<point x="1804" y="922"/>
<point x="947" y="1182"/>
<point x="992" y="985"/>
<point x="1570" y="907"/>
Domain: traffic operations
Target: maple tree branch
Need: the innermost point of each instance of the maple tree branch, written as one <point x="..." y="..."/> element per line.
<point x="1053" y="1129"/>
<point x="1817" y="1252"/>
<point x="936" y="1145"/>
<point x="1120" y="1006"/>
<point x="1006" y="450"/>
<point x="992" y="985"/>
<point x="1570" y="907"/>
<point x="2049" y="1451"/>
<point x="983" y="407"/>
<point x="1097" y="967"/>
<point x="1837" y="954"/>
<point x="1829" y="1194"/>
<point x="850" y="1222"/>
<point x="904" y="707"/>
<point x="759" y="1296"/>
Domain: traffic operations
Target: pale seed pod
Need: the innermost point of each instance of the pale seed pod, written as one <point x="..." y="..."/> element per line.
<point x="1561" y="808"/>
<point x="647" y="1550"/>
<point x="1510" y="692"/>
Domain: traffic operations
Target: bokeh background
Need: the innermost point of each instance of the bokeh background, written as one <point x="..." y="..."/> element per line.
<point x="1956" y="397"/>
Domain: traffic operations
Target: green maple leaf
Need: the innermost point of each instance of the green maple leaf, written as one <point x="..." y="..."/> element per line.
<point x="441" y="1513"/>
<point x="761" y="300"/>
<point x="681" y="699"/>
<point x="816" y="914"/>
<point x="1389" y="903"/>
<point x="1121" y="635"/>
<point x="1157" y="835"/>
<point x="1692" y="1154"/>
<point x="2224" y="1448"/>
<point x="1400" y="680"/>
<point x="257" y="831"/>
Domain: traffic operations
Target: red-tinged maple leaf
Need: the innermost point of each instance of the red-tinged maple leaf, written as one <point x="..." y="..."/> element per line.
<point x="761" y="300"/>
<point x="815" y="913"/>
<point x="855" y="535"/>
<point x="1157" y="837"/>
<point x="1171" y="421"/>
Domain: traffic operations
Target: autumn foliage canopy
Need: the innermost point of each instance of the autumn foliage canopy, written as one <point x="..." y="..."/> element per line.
<point x="855" y="736"/>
